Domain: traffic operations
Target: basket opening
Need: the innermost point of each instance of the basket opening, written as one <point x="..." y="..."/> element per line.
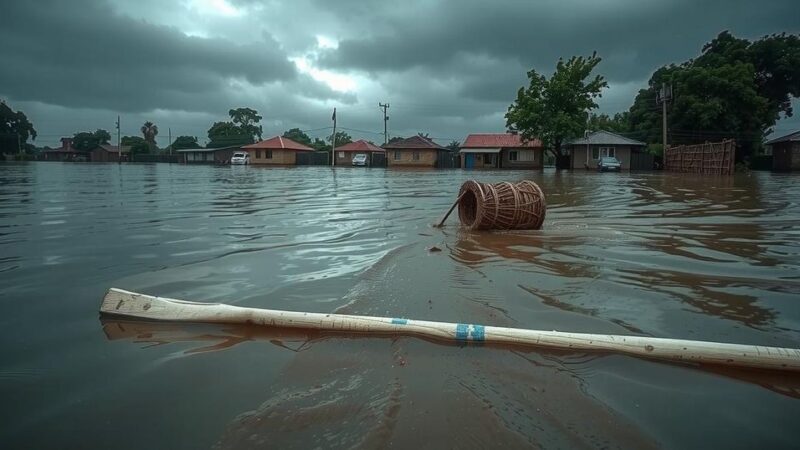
<point x="468" y="208"/>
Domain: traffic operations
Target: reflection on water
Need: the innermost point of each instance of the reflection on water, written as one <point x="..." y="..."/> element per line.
<point x="652" y="254"/>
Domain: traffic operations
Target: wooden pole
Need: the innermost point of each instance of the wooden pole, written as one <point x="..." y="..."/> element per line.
<point x="441" y="223"/>
<point x="130" y="304"/>
<point x="333" y="139"/>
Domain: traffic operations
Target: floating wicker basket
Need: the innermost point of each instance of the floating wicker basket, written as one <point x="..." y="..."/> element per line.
<point x="501" y="206"/>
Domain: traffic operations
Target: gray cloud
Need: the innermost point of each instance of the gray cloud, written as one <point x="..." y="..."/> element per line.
<point x="81" y="54"/>
<point x="447" y="67"/>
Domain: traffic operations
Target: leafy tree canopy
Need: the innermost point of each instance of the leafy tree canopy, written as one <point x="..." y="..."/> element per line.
<point x="137" y="144"/>
<point x="395" y="139"/>
<point x="341" y="138"/>
<point x="87" y="141"/>
<point x="735" y="89"/>
<point x="149" y="131"/>
<point x="240" y="130"/>
<point x="617" y="124"/>
<point x="454" y="146"/>
<point x="297" y="135"/>
<point x="556" y="109"/>
<point x="15" y="129"/>
<point x="182" y="142"/>
<point x="247" y="119"/>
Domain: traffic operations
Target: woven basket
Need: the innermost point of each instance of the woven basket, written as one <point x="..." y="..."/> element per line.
<point x="501" y="206"/>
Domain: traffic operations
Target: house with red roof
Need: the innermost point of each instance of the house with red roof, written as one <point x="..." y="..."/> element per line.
<point x="276" y="150"/>
<point x="416" y="151"/>
<point x="501" y="150"/>
<point x="66" y="152"/>
<point x="345" y="153"/>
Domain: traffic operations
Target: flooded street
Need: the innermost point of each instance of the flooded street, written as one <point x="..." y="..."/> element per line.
<point x="653" y="254"/>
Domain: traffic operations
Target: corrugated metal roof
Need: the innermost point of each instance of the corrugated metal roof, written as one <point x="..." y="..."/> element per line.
<point x="115" y="149"/>
<point x="792" y="137"/>
<point x="204" y="150"/>
<point x="494" y="140"/>
<point x="603" y="137"/>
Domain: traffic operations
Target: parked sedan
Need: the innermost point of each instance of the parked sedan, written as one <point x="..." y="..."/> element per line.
<point x="609" y="163"/>
<point x="360" y="159"/>
<point x="240" y="159"/>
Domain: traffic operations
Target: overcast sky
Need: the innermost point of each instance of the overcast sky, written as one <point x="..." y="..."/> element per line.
<point x="447" y="68"/>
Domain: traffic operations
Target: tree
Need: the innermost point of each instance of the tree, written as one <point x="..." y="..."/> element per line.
<point x="735" y="89"/>
<point x="247" y="119"/>
<point x="395" y="139"/>
<point x="297" y="135"/>
<point x="341" y="138"/>
<point x="617" y="124"/>
<point x="150" y="131"/>
<point x="86" y="141"/>
<point x="557" y="109"/>
<point x="137" y="144"/>
<point x="182" y="142"/>
<point x="240" y="130"/>
<point x="454" y="146"/>
<point x="226" y="134"/>
<point x="15" y="130"/>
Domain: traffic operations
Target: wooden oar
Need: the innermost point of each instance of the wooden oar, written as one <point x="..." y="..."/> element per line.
<point x="130" y="304"/>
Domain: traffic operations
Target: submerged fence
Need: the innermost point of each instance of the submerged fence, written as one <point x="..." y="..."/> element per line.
<point x="711" y="158"/>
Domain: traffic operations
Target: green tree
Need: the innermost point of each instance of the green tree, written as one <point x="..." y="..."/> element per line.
<point x="226" y="134"/>
<point x="137" y="144"/>
<point x="297" y="135"/>
<point x="617" y="124"/>
<point x="395" y="139"/>
<point x="15" y="130"/>
<point x="556" y="109"/>
<point x="86" y="141"/>
<point x="320" y="145"/>
<point x="735" y="89"/>
<point x="341" y="138"/>
<point x="182" y="142"/>
<point x="454" y="146"/>
<point x="247" y="120"/>
<point x="150" y="131"/>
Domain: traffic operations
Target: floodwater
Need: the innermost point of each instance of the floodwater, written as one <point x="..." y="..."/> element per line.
<point x="644" y="253"/>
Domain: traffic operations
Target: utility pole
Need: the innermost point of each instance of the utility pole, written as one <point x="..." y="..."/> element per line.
<point x="664" y="96"/>
<point x="385" y="119"/>
<point x="19" y="144"/>
<point x="119" y="147"/>
<point x="333" y="139"/>
<point x="169" y="130"/>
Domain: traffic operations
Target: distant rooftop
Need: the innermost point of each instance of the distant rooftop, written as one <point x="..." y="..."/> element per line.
<point x="278" y="143"/>
<point x="603" y="137"/>
<point x="359" y="146"/>
<point x="792" y="137"/>
<point x="414" y="142"/>
<point x="497" y="140"/>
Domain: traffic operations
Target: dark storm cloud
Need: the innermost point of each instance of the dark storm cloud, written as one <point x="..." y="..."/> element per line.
<point x="634" y="38"/>
<point x="81" y="54"/>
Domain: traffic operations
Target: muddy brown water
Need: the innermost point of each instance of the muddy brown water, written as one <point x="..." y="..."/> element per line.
<point x="644" y="253"/>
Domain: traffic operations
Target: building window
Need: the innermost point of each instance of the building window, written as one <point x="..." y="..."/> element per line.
<point x="341" y="155"/>
<point x="607" y="151"/>
<point x="415" y="156"/>
<point x="527" y="155"/>
<point x="398" y="155"/>
<point x="268" y="154"/>
<point x="258" y="154"/>
<point x="512" y="156"/>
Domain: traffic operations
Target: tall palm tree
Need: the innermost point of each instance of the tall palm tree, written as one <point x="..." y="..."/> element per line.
<point x="149" y="131"/>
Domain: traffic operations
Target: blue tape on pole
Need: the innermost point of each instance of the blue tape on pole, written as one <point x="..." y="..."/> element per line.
<point x="399" y="321"/>
<point x="478" y="333"/>
<point x="461" y="331"/>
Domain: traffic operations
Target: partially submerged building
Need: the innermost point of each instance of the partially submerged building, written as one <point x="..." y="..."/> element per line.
<point x="276" y="150"/>
<point x="345" y="153"/>
<point x="501" y="150"/>
<point x="110" y="153"/>
<point x="416" y="151"/>
<point x="221" y="155"/>
<point x="785" y="152"/>
<point x="587" y="151"/>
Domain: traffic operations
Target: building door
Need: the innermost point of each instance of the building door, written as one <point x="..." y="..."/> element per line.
<point x="469" y="160"/>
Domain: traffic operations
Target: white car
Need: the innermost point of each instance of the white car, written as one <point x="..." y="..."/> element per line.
<point x="360" y="160"/>
<point x="240" y="159"/>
